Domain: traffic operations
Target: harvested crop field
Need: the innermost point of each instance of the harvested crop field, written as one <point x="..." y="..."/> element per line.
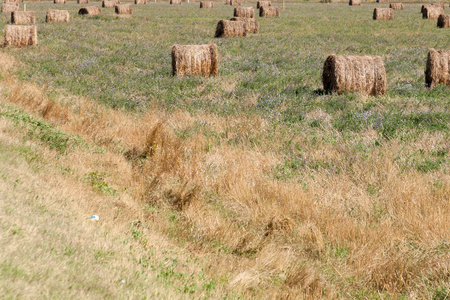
<point x="275" y="187"/>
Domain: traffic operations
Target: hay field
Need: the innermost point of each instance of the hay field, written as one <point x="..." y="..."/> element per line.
<point x="280" y="190"/>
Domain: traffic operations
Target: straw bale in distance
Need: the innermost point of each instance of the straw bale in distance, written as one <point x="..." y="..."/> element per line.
<point x="364" y="74"/>
<point x="10" y="7"/>
<point x="244" y="12"/>
<point x="23" y="17"/>
<point x="423" y="7"/>
<point x="55" y="15"/>
<point x="432" y="12"/>
<point x="195" y="60"/>
<point x="354" y="2"/>
<point x="140" y="2"/>
<point x="443" y="21"/>
<point x="124" y="9"/>
<point x="20" y="35"/>
<point x="269" y="11"/>
<point x="83" y="1"/>
<point x="33" y="0"/>
<point x="109" y="3"/>
<point x="59" y="1"/>
<point x="382" y="1"/>
<point x="11" y="1"/>
<point x="438" y="68"/>
<point x="251" y="24"/>
<point x="175" y="2"/>
<point x="383" y="14"/>
<point x="227" y="2"/>
<point x="90" y="10"/>
<point x="206" y="4"/>
<point x="230" y="29"/>
<point x="260" y="4"/>
<point x="396" y="6"/>
<point x="236" y="2"/>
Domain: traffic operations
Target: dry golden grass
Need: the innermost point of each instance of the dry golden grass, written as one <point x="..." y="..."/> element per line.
<point x="364" y="220"/>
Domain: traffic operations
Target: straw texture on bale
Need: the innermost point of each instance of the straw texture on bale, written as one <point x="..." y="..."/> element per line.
<point x="175" y="2"/>
<point x="423" y="7"/>
<point x="90" y="10"/>
<point x="260" y="4"/>
<point x="441" y="5"/>
<point x="83" y="1"/>
<point x="363" y="74"/>
<point x="244" y="12"/>
<point x="230" y="29"/>
<point x="432" y="12"/>
<point x="354" y="2"/>
<point x="438" y="68"/>
<point x="382" y="1"/>
<point x="195" y="60"/>
<point x="269" y="11"/>
<point x="10" y="7"/>
<point x="227" y="2"/>
<point x="251" y="24"/>
<point x="23" y="17"/>
<point x="383" y="14"/>
<point x="12" y="1"/>
<point x="124" y="9"/>
<point x="54" y="15"/>
<point x="59" y="1"/>
<point x="206" y="4"/>
<point x="396" y="6"/>
<point x="109" y="3"/>
<point x="236" y="2"/>
<point x="140" y="2"/>
<point x="443" y="21"/>
<point x="33" y="0"/>
<point x="20" y="35"/>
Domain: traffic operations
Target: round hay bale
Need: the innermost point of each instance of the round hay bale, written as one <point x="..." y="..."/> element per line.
<point x="140" y="2"/>
<point x="109" y="3"/>
<point x="354" y="2"/>
<point x="23" y="17"/>
<point x="260" y="4"/>
<point x="59" y="1"/>
<point x="90" y="10"/>
<point x="124" y="9"/>
<point x="230" y="29"/>
<point x="441" y="5"/>
<point x="206" y="4"/>
<point x="363" y="74"/>
<point x="432" y="12"/>
<point x="244" y="12"/>
<point x="252" y="25"/>
<point x="227" y="2"/>
<point x="195" y="60"/>
<point x="175" y="2"/>
<point x="82" y="1"/>
<point x="423" y="7"/>
<point x="20" y="35"/>
<point x="269" y="11"/>
<point x="54" y="15"/>
<point x="443" y="21"/>
<point x="438" y="68"/>
<point x="396" y="6"/>
<point x="9" y="7"/>
<point x="383" y="14"/>
<point x="236" y="2"/>
<point x="382" y="1"/>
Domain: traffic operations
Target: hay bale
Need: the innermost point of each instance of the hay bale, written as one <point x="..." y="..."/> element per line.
<point x="195" y="60"/>
<point x="10" y="7"/>
<point x="354" y="2"/>
<point x="109" y="3"/>
<point x="383" y="14"/>
<point x="206" y="4"/>
<point x="244" y="12"/>
<point x="260" y="4"/>
<point x="443" y="21"/>
<point x="90" y="10"/>
<point x="20" y="35"/>
<point x="54" y="15"/>
<point x="382" y="1"/>
<point x="269" y="11"/>
<point x="438" y="68"/>
<point x="140" y="2"/>
<point x="396" y="6"/>
<point x="59" y="1"/>
<point x="227" y="2"/>
<point x="124" y="9"/>
<point x="175" y="2"/>
<point x="230" y="29"/>
<point x="432" y="12"/>
<point x="82" y="1"/>
<point x="236" y="2"/>
<point x="424" y="6"/>
<point x="441" y="5"/>
<point x="251" y="25"/>
<point x="23" y="17"/>
<point x="363" y="74"/>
